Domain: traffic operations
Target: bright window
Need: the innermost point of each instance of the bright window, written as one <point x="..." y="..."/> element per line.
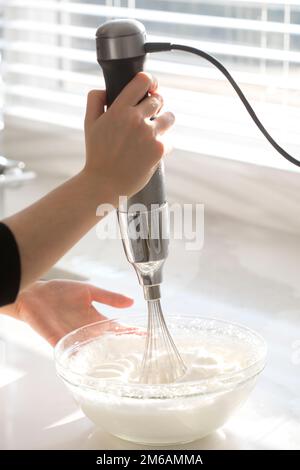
<point x="50" y="63"/>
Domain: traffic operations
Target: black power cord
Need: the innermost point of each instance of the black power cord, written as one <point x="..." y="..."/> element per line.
<point x="166" y="46"/>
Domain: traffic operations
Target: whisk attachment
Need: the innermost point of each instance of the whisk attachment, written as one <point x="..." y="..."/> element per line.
<point x="161" y="362"/>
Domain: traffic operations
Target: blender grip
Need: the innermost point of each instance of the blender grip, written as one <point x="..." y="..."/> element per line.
<point x="117" y="74"/>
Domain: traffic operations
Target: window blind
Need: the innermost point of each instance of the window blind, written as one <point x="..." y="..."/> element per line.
<point x="49" y="60"/>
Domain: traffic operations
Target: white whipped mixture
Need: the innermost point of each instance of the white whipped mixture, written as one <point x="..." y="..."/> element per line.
<point x="164" y="419"/>
<point x="119" y="357"/>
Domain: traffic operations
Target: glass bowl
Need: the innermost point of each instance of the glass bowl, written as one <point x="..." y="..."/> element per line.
<point x="161" y="414"/>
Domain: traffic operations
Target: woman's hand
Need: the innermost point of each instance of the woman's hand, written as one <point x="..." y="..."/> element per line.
<point x="123" y="146"/>
<point x="55" y="308"/>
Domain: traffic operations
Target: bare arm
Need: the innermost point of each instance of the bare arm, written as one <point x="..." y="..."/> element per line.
<point x="48" y="228"/>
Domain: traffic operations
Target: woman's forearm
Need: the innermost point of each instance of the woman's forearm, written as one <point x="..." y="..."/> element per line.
<point x="48" y="228"/>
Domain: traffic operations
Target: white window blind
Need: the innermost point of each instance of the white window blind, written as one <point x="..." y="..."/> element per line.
<point x="49" y="63"/>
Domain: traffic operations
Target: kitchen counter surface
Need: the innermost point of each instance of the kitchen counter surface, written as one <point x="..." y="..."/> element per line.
<point x="244" y="273"/>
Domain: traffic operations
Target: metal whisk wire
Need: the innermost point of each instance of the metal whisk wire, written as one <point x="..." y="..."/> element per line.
<point x="161" y="362"/>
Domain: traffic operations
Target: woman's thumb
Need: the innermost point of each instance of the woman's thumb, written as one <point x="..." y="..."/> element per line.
<point x="96" y="101"/>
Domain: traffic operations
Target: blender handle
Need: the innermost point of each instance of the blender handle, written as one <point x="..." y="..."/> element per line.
<point x="117" y="73"/>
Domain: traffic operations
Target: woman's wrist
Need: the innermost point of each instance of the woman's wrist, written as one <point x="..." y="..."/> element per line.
<point x="100" y="188"/>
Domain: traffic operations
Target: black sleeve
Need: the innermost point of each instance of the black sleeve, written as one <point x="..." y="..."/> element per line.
<point x="10" y="266"/>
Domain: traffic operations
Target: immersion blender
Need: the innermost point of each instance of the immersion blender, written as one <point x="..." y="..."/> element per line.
<point x="144" y="220"/>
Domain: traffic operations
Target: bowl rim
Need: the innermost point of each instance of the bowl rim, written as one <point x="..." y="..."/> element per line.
<point x="112" y="386"/>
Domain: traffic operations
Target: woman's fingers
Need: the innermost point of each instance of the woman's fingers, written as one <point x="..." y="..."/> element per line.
<point x="106" y="297"/>
<point x="151" y="105"/>
<point x="136" y="89"/>
<point x="162" y="123"/>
